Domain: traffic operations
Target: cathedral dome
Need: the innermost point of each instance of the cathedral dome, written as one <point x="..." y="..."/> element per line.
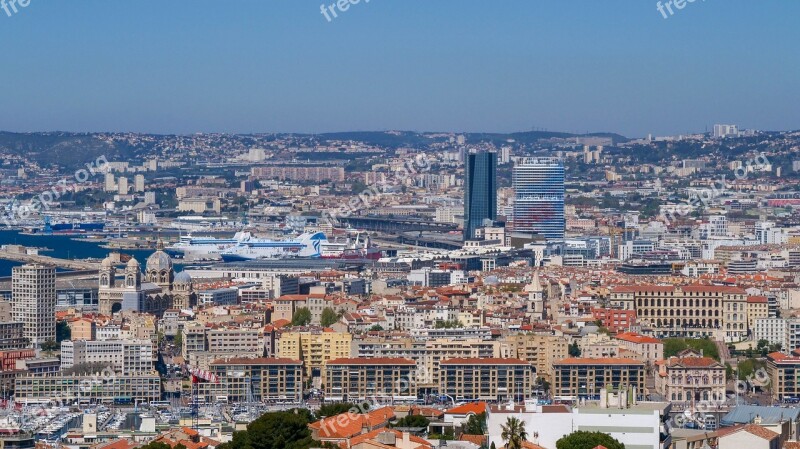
<point x="183" y="278"/>
<point x="133" y="263"/>
<point x="159" y="261"/>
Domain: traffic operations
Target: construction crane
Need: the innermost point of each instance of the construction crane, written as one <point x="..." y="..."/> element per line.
<point x="199" y="376"/>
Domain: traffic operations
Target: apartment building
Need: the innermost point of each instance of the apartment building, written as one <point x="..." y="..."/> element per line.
<point x="691" y="377"/>
<point x="757" y="307"/>
<point x="784" y="375"/>
<point x="224" y="339"/>
<point x="133" y="388"/>
<point x="771" y="329"/>
<point x="82" y="328"/>
<point x="284" y="307"/>
<point x="255" y="380"/>
<point x="124" y="356"/>
<point x="586" y="378"/>
<point x="200" y="205"/>
<point x="490" y="379"/>
<point x="687" y="311"/>
<point x="193" y="338"/>
<point x="33" y="301"/>
<point x="615" y="320"/>
<point x="218" y="296"/>
<point x="315" y="348"/>
<point x="12" y="335"/>
<point x="539" y="350"/>
<point x="648" y="349"/>
<point x="299" y="173"/>
<point x="427" y="353"/>
<point x="381" y="379"/>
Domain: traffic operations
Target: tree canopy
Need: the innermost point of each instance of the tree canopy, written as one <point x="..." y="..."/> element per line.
<point x="475" y="424"/>
<point x="412" y="421"/>
<point x="63" y="331"/>
<point x="329" y="317"/>
<point x="672" y="346"/>
<point x="276" y="430"/>
<point x="588" y="440"/>
<point x="302" y="317"/>
<point x="514" y="433"/>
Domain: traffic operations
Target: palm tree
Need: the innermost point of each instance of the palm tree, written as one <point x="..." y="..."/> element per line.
<point x="514" y="433"/>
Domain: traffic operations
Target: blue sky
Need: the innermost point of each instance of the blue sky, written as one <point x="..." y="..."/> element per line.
<point x="183" y="66"/>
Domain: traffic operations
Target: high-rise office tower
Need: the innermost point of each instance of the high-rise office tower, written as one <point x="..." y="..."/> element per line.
<point x="539" y="197"/>
<point x="480" y="191"/>
<point x="33" y="297"/>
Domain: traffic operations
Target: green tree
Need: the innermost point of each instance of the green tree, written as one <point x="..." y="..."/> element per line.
<point x="514" y="433"/>
<point x="329" y="317"/>
<point x="449" y="324"/>
<point x="335" y="409"/>
<point x="160" y="445"/>
<point x="588" y="440"/>
<point x="50" y="346"/>
<point x="672" y="346"/>
<point x="574" y="350"/>
<point x="747" y="368"/>
<point x="63" y="331"/>
<point x="178" y="341"/>
<point x="302" y="317"/>
<point x="412" y="421"/>
<point x="475" y="424"/>
<point x="276" y="430"/>
<point x="728" y="371"/>
<point x="376" y="328"/>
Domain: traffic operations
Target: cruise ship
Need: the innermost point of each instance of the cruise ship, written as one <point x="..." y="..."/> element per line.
<point x="201" y="248"/>
<point x="360" y="249"/>
<point x="305" y="245"/>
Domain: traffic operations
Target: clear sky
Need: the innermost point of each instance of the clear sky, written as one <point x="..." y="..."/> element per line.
<point x="183" y="66"/>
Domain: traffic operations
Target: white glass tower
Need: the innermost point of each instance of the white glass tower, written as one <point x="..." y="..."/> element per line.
<point x="539" y="197"/>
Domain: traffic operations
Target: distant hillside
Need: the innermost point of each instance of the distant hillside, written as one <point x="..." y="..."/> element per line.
<point x="395" y="139"/>
<point x="530" y="137"/>
<point x="63" y="149"/>
<point x="71" y="150"/>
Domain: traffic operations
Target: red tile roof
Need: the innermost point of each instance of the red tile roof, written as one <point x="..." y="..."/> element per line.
<point x="693" y="362"/>
<point x="473" y="407"/>
<point x="636" y="338"/>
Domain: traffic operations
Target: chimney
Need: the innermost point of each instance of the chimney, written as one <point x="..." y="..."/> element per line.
<point x="406" y="440"/>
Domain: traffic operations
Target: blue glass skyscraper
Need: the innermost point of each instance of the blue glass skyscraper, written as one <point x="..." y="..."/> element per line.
<point x="539" y="197"/>
<point x="480" y="191"/>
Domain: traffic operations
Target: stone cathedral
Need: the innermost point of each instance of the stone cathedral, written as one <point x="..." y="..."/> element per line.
<point x="161" y="288"/>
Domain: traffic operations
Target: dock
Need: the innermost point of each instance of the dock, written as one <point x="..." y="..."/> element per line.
<point x="46" y="260"/>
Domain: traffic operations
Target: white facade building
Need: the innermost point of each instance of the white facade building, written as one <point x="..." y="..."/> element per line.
<point x="124" y="356"/>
